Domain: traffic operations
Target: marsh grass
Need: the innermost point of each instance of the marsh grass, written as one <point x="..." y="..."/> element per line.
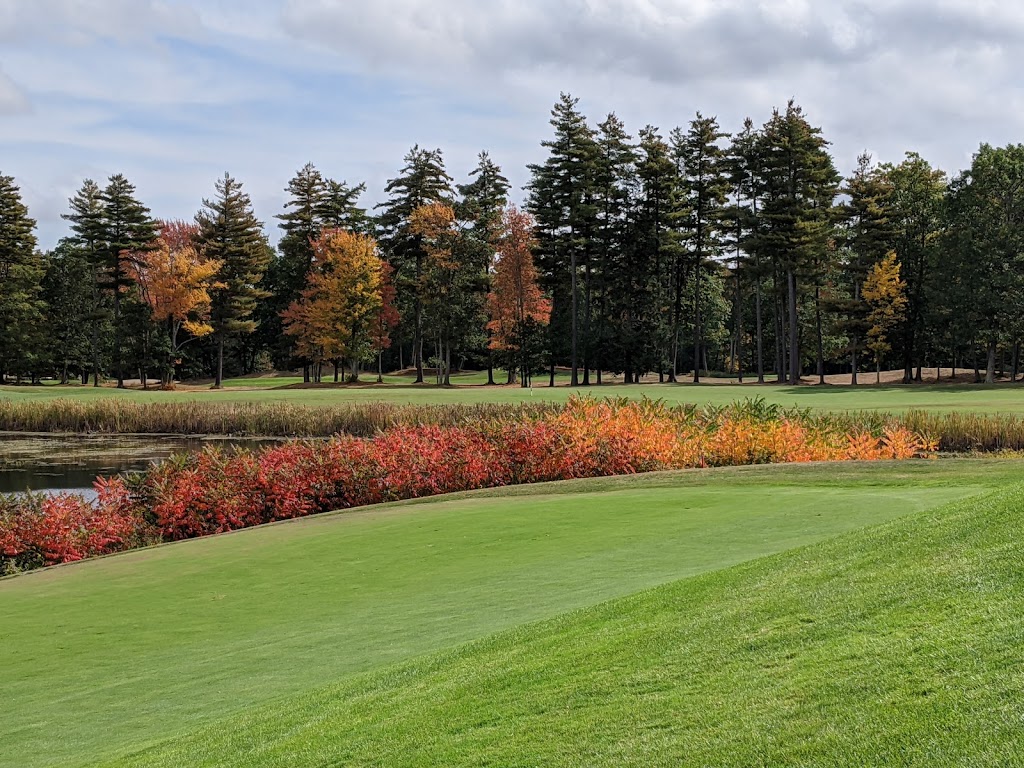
<point x="360" y="419"/>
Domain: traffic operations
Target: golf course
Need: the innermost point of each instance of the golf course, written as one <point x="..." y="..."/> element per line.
<point x="795" y="614"/>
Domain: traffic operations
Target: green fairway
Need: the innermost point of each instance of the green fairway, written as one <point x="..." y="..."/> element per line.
<point x="1004" y="398"/>
<point x="896" y="645"/>
<point x="106" y="657"/>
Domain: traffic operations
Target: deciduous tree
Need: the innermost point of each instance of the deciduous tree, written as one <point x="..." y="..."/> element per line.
<point x="517" y="308"/>
<point x="885" y="294"/>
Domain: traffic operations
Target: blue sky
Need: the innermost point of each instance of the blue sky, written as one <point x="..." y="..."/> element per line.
<point x="175" y="92"/>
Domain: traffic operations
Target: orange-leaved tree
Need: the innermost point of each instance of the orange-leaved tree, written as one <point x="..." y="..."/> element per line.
<point x="885" y="294"/>
<point x="387" y="317"/>
<point x="175" y="281"/>
<point x="517" y="308"/>
<point x="451" y="282"/>
<point x="334" y="318"/>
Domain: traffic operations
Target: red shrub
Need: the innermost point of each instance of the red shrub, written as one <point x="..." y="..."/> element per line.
<point x="219" y="490"/>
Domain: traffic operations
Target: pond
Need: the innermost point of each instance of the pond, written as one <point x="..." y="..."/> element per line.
<point x="54" y="463"/>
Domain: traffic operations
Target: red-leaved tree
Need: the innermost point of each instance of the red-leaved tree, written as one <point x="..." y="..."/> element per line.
<point x="517" y="307"/>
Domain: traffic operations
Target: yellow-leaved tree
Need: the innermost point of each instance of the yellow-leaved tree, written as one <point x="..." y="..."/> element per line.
<point x="175" y="280"/>
<point x="885" y="294"/>
<point x="337" y="315"/>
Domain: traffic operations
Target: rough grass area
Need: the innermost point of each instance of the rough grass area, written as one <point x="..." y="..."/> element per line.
<point x="107" y="657"/>
<point x="896" y="645"/>
<point x="1001" y="398"/>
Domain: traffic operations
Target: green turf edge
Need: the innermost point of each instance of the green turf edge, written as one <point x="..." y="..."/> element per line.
<point x="891" y="645"/>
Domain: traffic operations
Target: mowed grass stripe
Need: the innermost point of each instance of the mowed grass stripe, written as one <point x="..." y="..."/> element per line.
<point x="1002" y="398"/>
<point x="897" y="645"/>
<point x="103" y="656"/>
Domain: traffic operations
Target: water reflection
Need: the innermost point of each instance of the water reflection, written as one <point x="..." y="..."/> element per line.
<point x="52" y="463"/>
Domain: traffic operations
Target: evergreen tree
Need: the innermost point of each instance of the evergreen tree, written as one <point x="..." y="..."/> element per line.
<point x="125" y="228"/>
<point x="87" y="237"/>
<point x="800" y="184"/>
<point x="21" y="272"/>
<point x="68" y="292"/>
<point x="702" y="161"/>
<point x="423" y="180"/>
<point x="651" y="278"/>
<point x="614" y="193"/>
<point x="915" y="214"/>
<point x="483" y="200"/>
<point x="867" y="240"/>
<point x="988" y="242"/>
<point x="561" y="201"/>
<point x="230" y="233"/>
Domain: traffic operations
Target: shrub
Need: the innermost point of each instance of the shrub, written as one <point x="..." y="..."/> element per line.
<point x="218" y="490"/>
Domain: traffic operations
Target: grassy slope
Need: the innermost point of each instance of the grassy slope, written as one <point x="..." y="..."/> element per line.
<point x="999" y="398"/>
<point x="106" y="656"/>
<point x="896" y="645"/>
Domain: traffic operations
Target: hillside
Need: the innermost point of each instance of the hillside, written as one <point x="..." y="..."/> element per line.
<point x="896" y="645"/>
<point x="106" y="657"/>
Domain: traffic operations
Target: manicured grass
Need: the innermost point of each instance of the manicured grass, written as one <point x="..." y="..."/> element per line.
<point x="1005" y="398"/>
<point x="106" y="657"/>
<point x="898" y="645"/>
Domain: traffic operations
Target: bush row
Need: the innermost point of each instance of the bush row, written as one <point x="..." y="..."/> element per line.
<point x="219" y="490"/>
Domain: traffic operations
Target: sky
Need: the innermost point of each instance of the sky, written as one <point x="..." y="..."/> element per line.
<point x="173" y="93"/>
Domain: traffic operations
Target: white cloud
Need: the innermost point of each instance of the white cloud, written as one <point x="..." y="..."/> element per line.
<point x="173" y="92"/>
<point x="13" y="100"/>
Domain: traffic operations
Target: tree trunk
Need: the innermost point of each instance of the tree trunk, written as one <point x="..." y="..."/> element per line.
<point x="794" y="330"/>
<point x="118" y="337"/>
<point x="759" y="332"/>
<point x="853" y="365"/>
<point x="575" y="377"/>
<point x="1015" y="362"/>
<point x="817" y="323"/>
<point x="218" y="381"/>
<point x="586" y="324"/>
<point x="336" y="366"/>
<point x="698" y="322"/>
<point x="380" y="366"/>
<point x="990" y="367"/>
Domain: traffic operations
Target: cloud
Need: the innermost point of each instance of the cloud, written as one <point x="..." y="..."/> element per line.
<point x="13" y="100"/>
<point x="174" y="92"/>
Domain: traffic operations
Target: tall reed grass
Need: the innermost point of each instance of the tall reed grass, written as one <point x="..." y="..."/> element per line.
<point x="115" y="416"/>
<point x="954" y="432"/>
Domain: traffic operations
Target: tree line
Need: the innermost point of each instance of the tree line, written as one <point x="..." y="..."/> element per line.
<point x="676" y="254"/>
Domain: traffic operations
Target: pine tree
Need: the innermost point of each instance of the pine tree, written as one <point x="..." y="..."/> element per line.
<point x="126" y="228"/>
<point x="867" y="239"/>
<point x="561" y="201"/>
<point x="230" y="233"/>
<point x="987" y="245"/>
<point x="68" y="292"/>
<point x="915" y="213"/>
<point x="21" y="272"/>
<point x="799" y="184"/>
<point x="651" y="276"/>
<point x="423" y="180"/>
<point x="702" y="162"/>
<point x="339" y="208"/>
<point x="615" y="189"/>
<point x="483" y="200"/>
<point x="86" y="219"/>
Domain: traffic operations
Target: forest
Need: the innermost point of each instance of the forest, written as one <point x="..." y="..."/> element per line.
<point x="678" y="254"/>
